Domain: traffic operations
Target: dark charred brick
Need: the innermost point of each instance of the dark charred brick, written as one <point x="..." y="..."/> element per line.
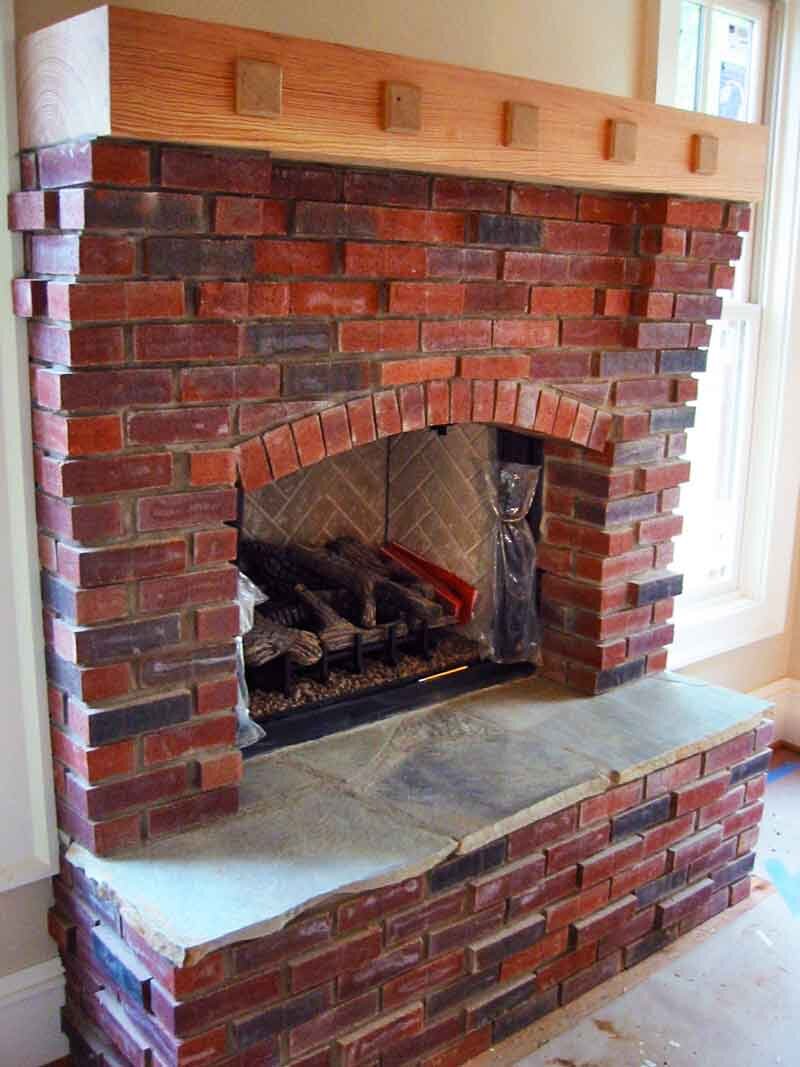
<point x="451" y="872"/>
<point x="335" y="220"/>
<point x="188" y="256"/>
<point x="757" y="764"/>
<point x="525" y="1014"/>
<point x="117" y="961"/>
<point x="647" y="450"/>
<point x="582" y="982"/>
<point x="677" y="418"/>
<point x="286" y="338"/>
<point x="646" y="946"/>
<point x="662" y="887"/>
<point x="491" y="229"/>
<point x="457" y="992"/>
<point x="291" y="1013"/>
<point x="496" y="1002"/>
<point x="59" y="596"/>
<point x="119" y="209"/>
<point x="322" y="379"/>
<point x="616" y="512"/>
<point x="107" y="644"/>
<point x="682" y="361"/>
<point x="641" y="818"/>
<point x="734" y="871"/>
<point x="635" y="362"/>
<point x="658" y="585"/>
<point x="625" y="672"/>
<point x="382" y="187"/>
<point x="112" y="724"/>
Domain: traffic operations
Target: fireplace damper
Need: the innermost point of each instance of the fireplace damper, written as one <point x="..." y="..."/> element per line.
<point x="430" y="490"/>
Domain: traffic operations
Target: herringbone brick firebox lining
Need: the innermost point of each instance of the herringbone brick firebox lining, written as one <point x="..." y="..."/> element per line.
<point x="199" y="317"/>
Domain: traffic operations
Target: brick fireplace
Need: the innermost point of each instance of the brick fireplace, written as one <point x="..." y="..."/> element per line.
<point x="201" y="320"/>
<point x="216" y="336"/>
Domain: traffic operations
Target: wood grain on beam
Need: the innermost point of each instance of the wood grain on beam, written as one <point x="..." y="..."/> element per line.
<point x="63" y="86"/>
<point x="174" y="79"/>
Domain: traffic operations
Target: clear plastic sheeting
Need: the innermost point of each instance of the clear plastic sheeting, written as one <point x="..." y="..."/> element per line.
<point x="512" y="633"/>
<point x="247" y="731"/>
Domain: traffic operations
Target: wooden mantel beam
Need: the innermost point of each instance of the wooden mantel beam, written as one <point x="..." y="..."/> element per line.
<point x="128" y="73"/>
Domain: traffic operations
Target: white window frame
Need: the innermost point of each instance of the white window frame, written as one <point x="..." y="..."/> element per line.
<point x="758" y="608"/>
<point x="28" y="835"/>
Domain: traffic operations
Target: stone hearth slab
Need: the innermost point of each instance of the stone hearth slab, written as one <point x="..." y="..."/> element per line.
<point x="390" y="800"/>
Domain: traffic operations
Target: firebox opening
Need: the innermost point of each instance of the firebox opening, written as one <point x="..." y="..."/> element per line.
<point x="332" y="645"/>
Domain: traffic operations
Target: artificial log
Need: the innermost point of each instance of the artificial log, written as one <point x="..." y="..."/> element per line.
<point x="274" y="569"/>
<point x="371" y="560"/>
<point x="335" y="632"/>
<point x="287" y="614"/>
<point x="407" y="601"/>
<point x="368" y="586"/>
<point x="338" y="572"/>
<point x="267" y="640"/>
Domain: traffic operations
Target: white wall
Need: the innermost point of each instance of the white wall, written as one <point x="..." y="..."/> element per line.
<point x="591" y="44"/>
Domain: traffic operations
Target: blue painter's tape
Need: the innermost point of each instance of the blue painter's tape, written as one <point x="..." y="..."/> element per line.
<point x="788" y="885"/>
<point x="783" y="771"/>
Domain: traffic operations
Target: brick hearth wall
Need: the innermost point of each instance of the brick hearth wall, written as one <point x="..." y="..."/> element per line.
<point x="198" y="317"/>
<point x="435" y="969"/>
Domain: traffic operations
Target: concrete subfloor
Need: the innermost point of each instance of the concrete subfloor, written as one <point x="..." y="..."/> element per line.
<point x="727" y="995"/>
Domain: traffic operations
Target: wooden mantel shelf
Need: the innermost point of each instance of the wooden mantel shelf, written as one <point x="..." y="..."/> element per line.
<point x="128" y="73"/>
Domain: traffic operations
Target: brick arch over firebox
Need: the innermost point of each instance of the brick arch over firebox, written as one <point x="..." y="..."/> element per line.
<point x="610" y="486"/>
<point x="304" y="439"/>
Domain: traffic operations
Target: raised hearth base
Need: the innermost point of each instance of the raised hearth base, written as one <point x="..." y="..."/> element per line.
<point x="354" y="912"/>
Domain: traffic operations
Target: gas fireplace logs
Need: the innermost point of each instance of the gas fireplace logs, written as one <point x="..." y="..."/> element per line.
<point x="333" y="605"/>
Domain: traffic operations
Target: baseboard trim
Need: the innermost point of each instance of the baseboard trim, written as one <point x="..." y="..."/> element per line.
<point x="30" y="1005"/>
<point x="785" y="696"/>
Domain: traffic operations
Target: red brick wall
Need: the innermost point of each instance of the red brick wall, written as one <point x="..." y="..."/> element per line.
<point x="198" y="317"/>
<point x="435" y="969"/>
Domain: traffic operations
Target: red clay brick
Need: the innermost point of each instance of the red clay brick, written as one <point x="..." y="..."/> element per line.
<point x="391" y="335"/>
<point x="522" y="333"/>
<point x="456" y="334"/>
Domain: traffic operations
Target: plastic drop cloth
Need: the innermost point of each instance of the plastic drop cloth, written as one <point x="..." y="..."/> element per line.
<point x="247" y="731"/>
<point x="512" y="632"/>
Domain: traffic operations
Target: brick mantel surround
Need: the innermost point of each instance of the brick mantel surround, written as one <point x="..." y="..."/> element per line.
<point x="199" y="318"/>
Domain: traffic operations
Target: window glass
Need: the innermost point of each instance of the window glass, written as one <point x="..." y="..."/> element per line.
<point x="712" y="504"/>
<point x="730" y="54"/>
<point x="688" y="90"/>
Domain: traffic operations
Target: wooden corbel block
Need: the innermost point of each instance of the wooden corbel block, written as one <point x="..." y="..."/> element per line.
<point x="521" y="125"/>
<point x="622" y="137"/>
<point x="705" y="153"/>
<point x="402" y="108"/>
<point x="259" y="88"/>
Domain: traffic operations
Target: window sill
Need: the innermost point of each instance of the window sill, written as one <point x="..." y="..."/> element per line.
<point x="722" y="624"/>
